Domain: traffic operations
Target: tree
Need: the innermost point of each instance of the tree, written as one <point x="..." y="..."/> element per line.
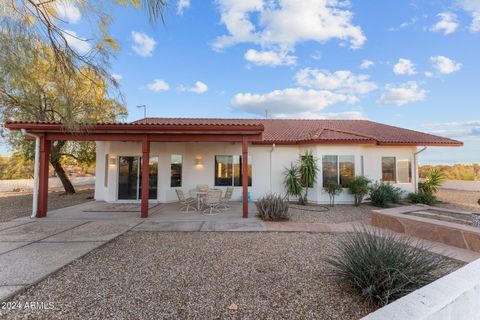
<point x="32" y="90"/>
<point x="308" y="173"/>
<point x="333" y="189"/>
<point x="44" y="21"/>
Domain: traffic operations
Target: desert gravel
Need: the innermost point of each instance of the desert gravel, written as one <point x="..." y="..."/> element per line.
<point x="155" y="275"/>
<point x="458" y="200"/>
<point x="326" y="214"/>
<point x="15" y="205"/>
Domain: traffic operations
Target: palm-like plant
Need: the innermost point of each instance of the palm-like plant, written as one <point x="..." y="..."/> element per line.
<point x="308" y="172"/>
<point x="291" y="181"/>
<point x="433" y="181"/>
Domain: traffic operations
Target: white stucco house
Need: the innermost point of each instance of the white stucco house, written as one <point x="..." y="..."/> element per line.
<point x="184" y="152"/>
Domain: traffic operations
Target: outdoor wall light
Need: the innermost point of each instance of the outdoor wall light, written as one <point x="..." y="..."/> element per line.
<point x="198" y="162"/>
<point x="112" y="160"/>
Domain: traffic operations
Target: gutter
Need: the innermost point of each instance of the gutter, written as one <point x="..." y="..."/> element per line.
<point x="415" y="167"/>
<point x="35" y="171"/>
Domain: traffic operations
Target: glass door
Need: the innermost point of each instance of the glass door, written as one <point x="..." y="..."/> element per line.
<point x="130" y="178"/>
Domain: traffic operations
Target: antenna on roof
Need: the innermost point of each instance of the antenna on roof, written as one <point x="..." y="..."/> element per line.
<point x="266" y="113"/>
<point x="144" y="106"/>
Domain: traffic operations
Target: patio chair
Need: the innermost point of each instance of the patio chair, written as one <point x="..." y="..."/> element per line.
<point x="212" y="201"/>
<point x="226" y="198"/>
<point x="187" y="203"/>
<point x="202" y="187"/>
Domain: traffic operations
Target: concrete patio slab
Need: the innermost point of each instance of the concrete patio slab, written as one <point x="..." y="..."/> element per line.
<point x="95" y="231"/>
<point x="30" y="264"/>
<point x="7" y="246"/>
<point x="169" y="226"/>
<point x="37" y="230"/>
<point x="14" y="223"/>
<point x="244" y="226"/>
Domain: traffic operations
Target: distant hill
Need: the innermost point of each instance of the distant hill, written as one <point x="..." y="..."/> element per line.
<point x="458" y="171"/>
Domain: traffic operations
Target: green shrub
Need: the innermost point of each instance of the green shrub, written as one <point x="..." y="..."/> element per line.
<point x="333" y="189"/>
<point x="382" y="194"/>
<point x="434" y="180"/>
<point x="383" y="266"/>
<point x="359" y="188"/>
<point x="272" y="207"/>
<point x="422" y="197"/>
<point x="292" y="182"/>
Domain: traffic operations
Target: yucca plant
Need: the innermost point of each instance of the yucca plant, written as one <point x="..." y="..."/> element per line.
<point x="434" y="180"/>
<point x="308" y="173"/>
<point x="383" y="266"/>
<point x="291" y="181"/>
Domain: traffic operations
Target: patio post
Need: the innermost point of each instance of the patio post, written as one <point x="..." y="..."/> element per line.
<point x="45" y="146"/>
<point x="245" y="176"/>
<point x="145" y="176"/>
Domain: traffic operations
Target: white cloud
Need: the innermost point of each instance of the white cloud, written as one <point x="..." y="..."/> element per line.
<point x="117" y="76"/>
<point x="404" y="67"/>
<point x="158" y="85"/>
<point x="445" y="65"/>
<point x="317" y="55"/>
<point x="447" y="23"/>
<point x="199" y="88"/>
<point x="472" y="7"/>
<point x="347" y="115"/>
<point x="290" y="101"/>
<point x="341" y="81"/>
<point x="281" y="25"/>
<point x="463" y="130"/>
<point x="428" y="74"/>
<point x="81" y="45"/>
<point x="400" y="95"/>
<point x="182" y="5"/>
<point x="366" y="64"/>
<point x="269" y="58"/>
<point x="143" y="44"/>
<point x="67" y="11"/>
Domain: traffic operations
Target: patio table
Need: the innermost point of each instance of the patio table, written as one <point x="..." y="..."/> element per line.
<point x="200" y="195"/>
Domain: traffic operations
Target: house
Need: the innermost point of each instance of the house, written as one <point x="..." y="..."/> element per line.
<point x="182" y="153"/>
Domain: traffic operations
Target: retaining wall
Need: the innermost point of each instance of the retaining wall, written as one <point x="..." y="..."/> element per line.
<point x="27" y="184"/>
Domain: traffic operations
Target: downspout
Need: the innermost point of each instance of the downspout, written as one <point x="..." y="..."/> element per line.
<point x="415" y="166"/>
<point x="271" y="151"/>
<point x="35" y="171"/>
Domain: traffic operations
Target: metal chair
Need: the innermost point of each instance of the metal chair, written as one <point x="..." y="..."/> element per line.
<point x="226" y="198"/>
<point x="187" y="203"/>
<point x="202" y="187"/>
<point x="212" y="201"/>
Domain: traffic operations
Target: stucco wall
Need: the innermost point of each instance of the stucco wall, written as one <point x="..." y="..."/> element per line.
<point x="268" y="164"/>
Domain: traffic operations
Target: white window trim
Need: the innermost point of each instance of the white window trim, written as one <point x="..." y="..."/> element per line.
<point x="396" y="169"/>
<point x="338" y="166"/>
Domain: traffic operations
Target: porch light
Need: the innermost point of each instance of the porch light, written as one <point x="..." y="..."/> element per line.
<point x="198" y="162"/>
<point x="112" y="160"/>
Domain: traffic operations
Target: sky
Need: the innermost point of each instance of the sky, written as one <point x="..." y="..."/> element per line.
<point x="412" y="64"/>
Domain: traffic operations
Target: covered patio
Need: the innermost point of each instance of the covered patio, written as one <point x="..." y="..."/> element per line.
<point x="144" y="134"/>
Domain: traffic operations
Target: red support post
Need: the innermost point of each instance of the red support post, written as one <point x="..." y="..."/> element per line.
<point x="245" y="176"/>
<point x="45" y="146"/>
<point x="145" y="177"/>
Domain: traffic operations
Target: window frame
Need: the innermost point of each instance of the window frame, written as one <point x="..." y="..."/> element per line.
<point x="397" y="160"/>
<point x="233" y="157"/>
<point x="181" y="170"/>
<point x="338" y="167"/>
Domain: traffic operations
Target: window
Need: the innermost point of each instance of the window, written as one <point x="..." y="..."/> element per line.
<point x="338" y="169"/>
<point x="388" y="169"/>
<point x="176" y="170"/>
<point x="228" y="171"/>
<point x="404" y="171"/>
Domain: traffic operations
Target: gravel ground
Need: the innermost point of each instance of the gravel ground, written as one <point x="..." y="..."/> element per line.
<point x="155" y="275"/>
<point x="15" y="205"/>
<point x="326" y="214"/>
<point x="458" y="200"/>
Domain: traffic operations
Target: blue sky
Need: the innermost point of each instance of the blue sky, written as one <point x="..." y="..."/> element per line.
<point x="412" y="64"/>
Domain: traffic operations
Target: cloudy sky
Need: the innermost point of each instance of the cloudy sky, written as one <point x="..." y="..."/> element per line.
<point x="412" y="64"/>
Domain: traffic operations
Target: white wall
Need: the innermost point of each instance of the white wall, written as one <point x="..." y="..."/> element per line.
<point x="268" y="164"/>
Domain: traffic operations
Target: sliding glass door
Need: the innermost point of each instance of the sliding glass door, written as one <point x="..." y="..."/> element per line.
<point x="130" y="177"/>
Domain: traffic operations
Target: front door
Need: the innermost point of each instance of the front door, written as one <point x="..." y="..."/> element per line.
<point x="130" y="177"/>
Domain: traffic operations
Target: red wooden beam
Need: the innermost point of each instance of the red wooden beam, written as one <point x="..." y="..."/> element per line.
<point x="145" y="177"/>
<point x="245" y="176"/>
<point x="45" y="146"/>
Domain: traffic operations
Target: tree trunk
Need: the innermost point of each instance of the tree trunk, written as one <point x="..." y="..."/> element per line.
<point x="57" y="166"/>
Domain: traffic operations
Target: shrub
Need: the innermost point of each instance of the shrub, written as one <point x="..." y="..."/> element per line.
<point x="383" y="266"/>
<point x="382" y="195"/>
<point x="333" y="189"/>
<point x="359" y="188"/>
<point x="434" y="180"/>
<point x="422" y="197"/>
<point x="272" y="207"/>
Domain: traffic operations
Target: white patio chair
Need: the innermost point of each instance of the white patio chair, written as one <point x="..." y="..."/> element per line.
<point x="187" y="203"/>
<point x="212" y="201"/>
<point x="226" y="198"/>
<point x="202" y="187"/>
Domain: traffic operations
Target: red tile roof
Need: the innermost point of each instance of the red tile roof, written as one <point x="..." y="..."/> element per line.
<point x="292" y="131"/>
